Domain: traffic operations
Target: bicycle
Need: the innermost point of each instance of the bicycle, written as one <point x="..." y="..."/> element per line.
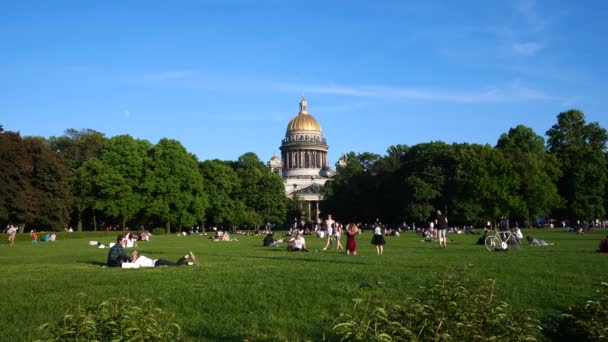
<point x="501" y="241"/>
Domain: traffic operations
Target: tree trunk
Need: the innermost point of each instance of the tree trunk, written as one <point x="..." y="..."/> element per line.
<point x="94" y="221"/>
<point x="21" y="227"/>
<point x="79" y="224"/>
<point x="168" y="227"/>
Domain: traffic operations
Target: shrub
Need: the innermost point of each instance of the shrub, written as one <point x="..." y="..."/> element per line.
<point x="447" y="311"/>
<point x="158" y="231"/>
<point x="117" y="319"/>
<point x="585" y="322"/>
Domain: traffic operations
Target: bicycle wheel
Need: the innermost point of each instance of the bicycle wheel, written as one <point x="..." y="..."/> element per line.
<point x="492" y="243"/>
<point x="515" y="242"/>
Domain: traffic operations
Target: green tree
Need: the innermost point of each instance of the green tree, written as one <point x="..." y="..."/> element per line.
<point x="537" y="171"/>
<point x="426" y="172"/>
<point x="14" y="182"/>
<point x="120" y="178"/>
<point x="262" y="191"/>
<point x="353" y="194"/>
<point x="484" y="185"/>
<point x="580" y="148"/>
<point x="222" y="187"/>
<point x="76" y="147"/>
<point x="175" y="187"/>
<point x="34" y="183"/>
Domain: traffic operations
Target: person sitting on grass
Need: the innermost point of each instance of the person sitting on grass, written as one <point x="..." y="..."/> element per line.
<point x="534" y="242"/>
<point x="117" y="254"/>
<point x="482" y="239"/>
<point x="143" y="261"/>
<point x="269" y="240"/>
<point x="604" y="245"/>
<point x="297" y="244"/>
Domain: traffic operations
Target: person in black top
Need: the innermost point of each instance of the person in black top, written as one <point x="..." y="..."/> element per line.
<point x="441" y="223"/>
<point x="269" y="241"/>
<point x="117" y="254"/>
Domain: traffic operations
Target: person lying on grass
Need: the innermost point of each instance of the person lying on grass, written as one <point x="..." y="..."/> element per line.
<point x="143" y="261"/>
<point x="534" y="242"/>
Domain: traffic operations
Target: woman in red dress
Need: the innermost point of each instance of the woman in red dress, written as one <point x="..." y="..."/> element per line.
<point x="351" y="243"/>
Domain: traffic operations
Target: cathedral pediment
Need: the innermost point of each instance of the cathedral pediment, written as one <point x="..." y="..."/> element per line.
<point x="313" y="189"/>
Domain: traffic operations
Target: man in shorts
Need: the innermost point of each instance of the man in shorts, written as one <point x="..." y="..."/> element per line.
<point x="441" y="223"/>
<point x="11" y="231"/>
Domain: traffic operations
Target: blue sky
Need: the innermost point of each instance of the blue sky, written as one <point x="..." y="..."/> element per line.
<point x="225" y="77"/>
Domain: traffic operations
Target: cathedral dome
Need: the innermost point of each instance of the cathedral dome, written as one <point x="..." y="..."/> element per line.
<point x="303" y="121"/>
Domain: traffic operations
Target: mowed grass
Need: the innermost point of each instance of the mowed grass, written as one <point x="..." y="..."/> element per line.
<point x="244" y="291"/>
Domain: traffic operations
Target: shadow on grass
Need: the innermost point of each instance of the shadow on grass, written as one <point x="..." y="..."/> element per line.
<point x="96" y="263"/>
<point x="205" y="334"/>
<point x="327" y="261"/>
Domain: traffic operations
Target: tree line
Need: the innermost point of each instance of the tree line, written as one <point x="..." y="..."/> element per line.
<point x="85" y="179"/>
<point x="522" y="178"/>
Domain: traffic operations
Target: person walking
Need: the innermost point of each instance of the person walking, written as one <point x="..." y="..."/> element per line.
<point x="338" y="236"/>
<point x="378" y="240"/>
<point x="441" y="222"/>
<point x="11" y="231"/>
<point x="329" y="226"/>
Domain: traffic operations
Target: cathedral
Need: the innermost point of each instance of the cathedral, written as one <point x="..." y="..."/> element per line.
<point x="303" y="165"/>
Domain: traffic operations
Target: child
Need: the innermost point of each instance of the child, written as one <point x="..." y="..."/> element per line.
<point x="34" y="236"/>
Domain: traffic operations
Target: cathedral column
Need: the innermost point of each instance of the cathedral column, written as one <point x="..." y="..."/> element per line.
<point x="309" y="218"/>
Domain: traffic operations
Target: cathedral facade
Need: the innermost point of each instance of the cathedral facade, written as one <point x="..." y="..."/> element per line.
<point x="303" y="164"/>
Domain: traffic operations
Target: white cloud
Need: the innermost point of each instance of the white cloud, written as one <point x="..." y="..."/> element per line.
<point x="513" y="92"/>
<point x="526" y="49"/>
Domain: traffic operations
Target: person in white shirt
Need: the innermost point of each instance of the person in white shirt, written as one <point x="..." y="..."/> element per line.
<point x="11" y="231"/>
<point x="298" y="244"/>
<point x="329" y="226"/>
<point x="378" y="240"/>
<point x="143" y="261"/>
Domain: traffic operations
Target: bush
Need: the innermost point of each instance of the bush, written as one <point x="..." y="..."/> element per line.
<point x="448" y="311"/>
<point x="585" y="322"/>
<point x="118" y="319"/>
<point x="158" y="231"/>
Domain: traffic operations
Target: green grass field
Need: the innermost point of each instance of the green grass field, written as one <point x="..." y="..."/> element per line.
<point x="244" y="291"/>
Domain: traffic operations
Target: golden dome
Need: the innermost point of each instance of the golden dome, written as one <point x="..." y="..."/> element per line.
<point x="303" y="121"/>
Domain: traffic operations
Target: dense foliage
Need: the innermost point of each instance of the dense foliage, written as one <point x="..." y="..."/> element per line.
<point x="447" y="311"/>
<point x="118" y="319"/>
<point x="85" y="180"/>
<point x="34" y="183"/>
<point x="520" y="178"/>
<point x="586" y="321"/>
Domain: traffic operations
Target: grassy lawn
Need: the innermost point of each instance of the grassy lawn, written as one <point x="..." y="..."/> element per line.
<point x="242" y="290"/>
